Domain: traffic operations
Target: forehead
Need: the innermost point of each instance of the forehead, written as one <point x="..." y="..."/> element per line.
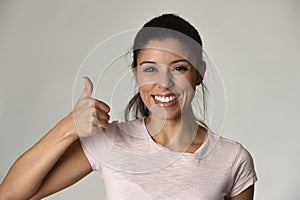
<point x="164" y="50"/>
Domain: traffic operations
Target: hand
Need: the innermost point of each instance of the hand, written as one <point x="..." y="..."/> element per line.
<point x="90" y="115"/>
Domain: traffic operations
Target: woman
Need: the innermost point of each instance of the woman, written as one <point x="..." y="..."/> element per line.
<point x="182" y="159"/>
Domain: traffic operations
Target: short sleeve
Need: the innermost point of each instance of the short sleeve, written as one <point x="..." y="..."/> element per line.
<point x="243" y="172"/>
<point x="88" y="145"/>
<point x="97" y="148"/>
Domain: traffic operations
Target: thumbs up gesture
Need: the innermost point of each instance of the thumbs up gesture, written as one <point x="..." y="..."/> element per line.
<point x="90" y="116"/>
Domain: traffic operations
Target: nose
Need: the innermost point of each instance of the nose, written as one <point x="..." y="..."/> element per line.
<point x="165" y="79"/>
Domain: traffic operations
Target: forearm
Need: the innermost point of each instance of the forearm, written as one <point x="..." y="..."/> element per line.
<point x="27" y="173"/>
<point x="70" y="168"/>
<point x="27" y="177"/>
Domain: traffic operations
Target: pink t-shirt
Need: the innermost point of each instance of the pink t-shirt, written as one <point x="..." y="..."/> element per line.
<point x="133" y="166"/>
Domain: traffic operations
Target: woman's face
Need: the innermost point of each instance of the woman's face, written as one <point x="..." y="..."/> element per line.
<point x="166" y="78"/>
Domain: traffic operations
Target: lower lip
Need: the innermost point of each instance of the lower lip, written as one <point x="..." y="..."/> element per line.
<point x="166" y="104"/>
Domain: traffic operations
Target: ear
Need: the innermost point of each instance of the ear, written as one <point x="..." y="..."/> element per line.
<point x="201" y="71"/>
<point x="133" y="69"/>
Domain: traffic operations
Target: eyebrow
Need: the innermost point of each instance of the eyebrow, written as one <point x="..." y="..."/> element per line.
<point x="181" y="60"/>
<point x="173" y="62"/>
<point x="147" y="62"/>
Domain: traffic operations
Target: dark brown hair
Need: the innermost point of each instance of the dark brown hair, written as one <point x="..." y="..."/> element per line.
<point x="162" y="27"/>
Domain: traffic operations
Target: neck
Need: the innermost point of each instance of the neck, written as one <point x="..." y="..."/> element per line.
<point x="175" y="133"/>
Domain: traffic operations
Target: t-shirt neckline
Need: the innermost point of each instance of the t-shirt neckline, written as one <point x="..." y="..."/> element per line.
<point x="202" y="151"/>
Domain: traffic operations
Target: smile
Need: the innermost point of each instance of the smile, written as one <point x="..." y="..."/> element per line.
<point x="164" y="99"/>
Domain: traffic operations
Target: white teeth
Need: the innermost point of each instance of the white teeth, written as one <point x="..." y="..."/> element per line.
<point x="165" y="99"/>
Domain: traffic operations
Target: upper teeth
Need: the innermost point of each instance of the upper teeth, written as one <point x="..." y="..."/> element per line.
<point x="165" y="99"/>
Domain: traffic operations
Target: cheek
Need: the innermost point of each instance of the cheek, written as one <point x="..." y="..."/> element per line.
<point x="145" y="92"/>
<point x="145" y="80"/>
<point x="144" y="83"/>
<point x="187" y="88"/>
<point x="184" y="83"/>
<point x="145" y="88"/>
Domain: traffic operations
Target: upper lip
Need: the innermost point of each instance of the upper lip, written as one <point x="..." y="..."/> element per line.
<point x="166" y="95"/>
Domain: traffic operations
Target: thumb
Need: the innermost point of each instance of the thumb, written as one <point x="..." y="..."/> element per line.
<point x="87" y="92"/>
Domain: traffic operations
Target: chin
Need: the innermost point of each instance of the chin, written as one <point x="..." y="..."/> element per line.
<point x="166" y="116"/>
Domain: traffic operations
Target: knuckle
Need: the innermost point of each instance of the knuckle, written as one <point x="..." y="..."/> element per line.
<point x="103" y="126"/>
<point x="91" y="102"/>
<point x="91" y="110"/>
<point x="107" y="108"/>
<point x="99" y="115"/>
<point x="91" y="119"/>
<point x="101" y="123"/>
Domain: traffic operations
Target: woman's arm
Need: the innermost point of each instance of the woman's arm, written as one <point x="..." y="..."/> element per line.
<point x="245" y="195"/>
<point x="27" y="173"/>
<point x="69" y="169"/>
<point x="53" y="163"/>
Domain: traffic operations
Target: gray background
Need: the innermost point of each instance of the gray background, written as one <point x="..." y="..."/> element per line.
<point x="255" y="44"/>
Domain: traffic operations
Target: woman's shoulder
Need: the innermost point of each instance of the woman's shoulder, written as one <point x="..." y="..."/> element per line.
<point x="137" y="121"/>
<point x="131" y="124"/>
<point x="224" y="142"/>
<point x="230" y="147"/>
<point x="239" y="161"/>
<point x="132" y="128"/>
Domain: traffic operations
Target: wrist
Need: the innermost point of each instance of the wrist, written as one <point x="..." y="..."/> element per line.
<point x="68" y="128"/>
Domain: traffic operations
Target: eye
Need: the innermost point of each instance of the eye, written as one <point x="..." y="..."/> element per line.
<point x="150" y="69"/>
<point x="180" y="68"/>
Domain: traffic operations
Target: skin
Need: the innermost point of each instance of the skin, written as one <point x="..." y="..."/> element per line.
<point x="161" y="72"/>
<point x="58" y="161"/>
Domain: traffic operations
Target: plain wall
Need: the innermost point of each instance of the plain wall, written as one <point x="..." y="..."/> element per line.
<point x="255" y="44"/>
